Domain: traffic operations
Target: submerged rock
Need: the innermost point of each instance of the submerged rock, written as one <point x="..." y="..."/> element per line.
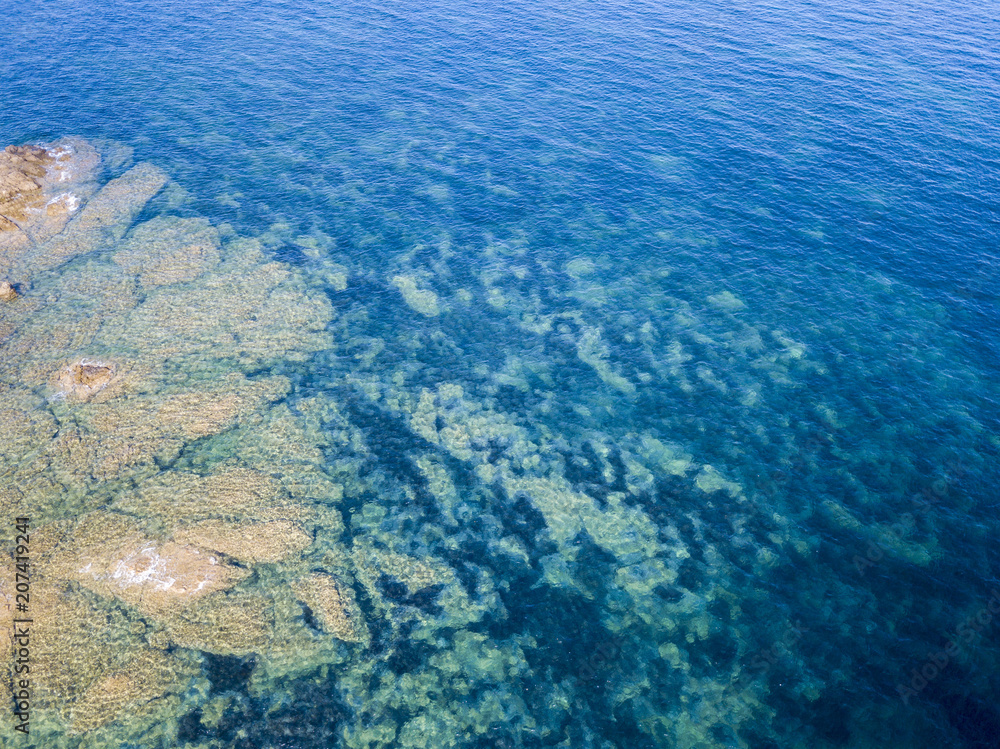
<point x="225" y="624"/>
<point x="105" y="218"/>
<point x="169" y="250"/>
<point x="84" y="378"/>
<point x="418" y="299"/>
<point x="112" y="556"/>
<point x="137" y="343"/>
<point x="234" y="492"/>
<point x="157" y="576"/>
<point x="137" y="687"/>
<point x="334" y="605"/>
<point x="248" y="542"/>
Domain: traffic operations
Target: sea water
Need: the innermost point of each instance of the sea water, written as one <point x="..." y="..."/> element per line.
<point x="655" y="394"/>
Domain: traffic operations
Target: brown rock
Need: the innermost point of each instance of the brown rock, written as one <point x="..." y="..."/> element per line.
<point x="7" y="292"/>
<point x="21" y="171"/>
<point x="248" y="542"/>
<point x="40" y="189"/>
<point x="111" y="555"/>
<point x="155" y="577"/>
<point x="84" y="378"/>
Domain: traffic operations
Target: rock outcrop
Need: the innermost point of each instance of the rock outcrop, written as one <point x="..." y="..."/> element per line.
<point x="22" y="173"/>
<point x="41" y="189"/>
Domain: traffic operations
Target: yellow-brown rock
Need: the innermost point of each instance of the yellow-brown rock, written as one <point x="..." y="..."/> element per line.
<point x="105" y="218"/>
<point x="334" y="606"/>
<point x="155" y="577"/>
<point x="7" y="292"/>
<point x="75" y="640"/>
<point x="108" y="437"/>
<point x="90" y="661"/>
<point x="84" y="378"/>
<point x="233" y="493"/>
<point x="55" y="327"/>
<point x="169" y="250"/>
<point x="112" y="556"/>
<point x="246" y="310"/>
<point x="195" y="415"/>
<point x="225" y="624"/>
<point x="40" y="189"/>
<point x="22" y="169"/>
<point x="248" y="542"/>
<point x="148" y="676"/>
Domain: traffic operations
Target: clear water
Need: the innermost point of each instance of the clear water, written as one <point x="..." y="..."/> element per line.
<point x="665" y="333"/>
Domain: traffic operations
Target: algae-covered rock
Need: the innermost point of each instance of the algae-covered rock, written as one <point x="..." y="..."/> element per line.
<point x="226" y="624"/>
<point x="249" y="542"/>
<point x="169" y="250"/>
<point x="246" y="312"/>
<point x="134" y="687"/>
<point x="109" y="436"/>
<point x="75" y="641"/>
<point x="334" y="605"/>
<point x="232" y="493"/>
<point x="112" y="556"/>
<point x="137" y="346"/>
<point x="24" y="427"/>
<point x="415" y="574"/>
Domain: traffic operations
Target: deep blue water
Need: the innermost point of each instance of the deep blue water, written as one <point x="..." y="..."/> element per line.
<point x="615" y="171"/>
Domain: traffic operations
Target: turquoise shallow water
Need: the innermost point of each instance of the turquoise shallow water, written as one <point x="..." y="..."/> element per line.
<point x="724" y="276"/>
